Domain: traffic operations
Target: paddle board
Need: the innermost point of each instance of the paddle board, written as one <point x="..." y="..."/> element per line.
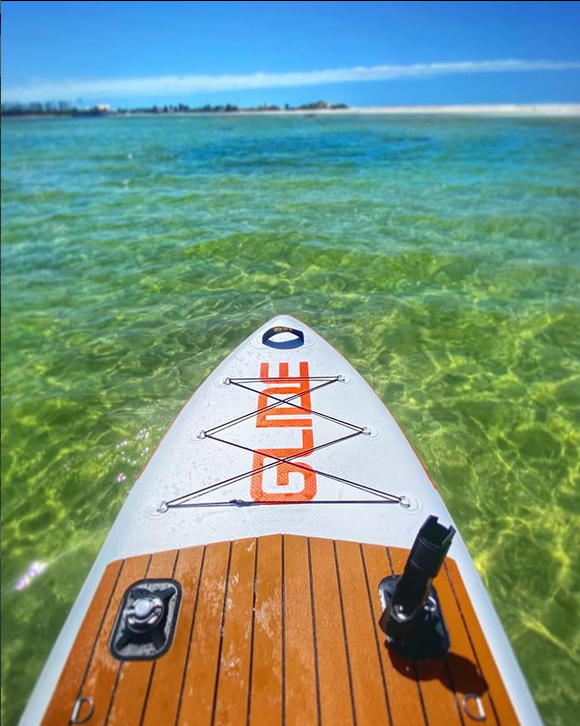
<point x="255" y="572"/>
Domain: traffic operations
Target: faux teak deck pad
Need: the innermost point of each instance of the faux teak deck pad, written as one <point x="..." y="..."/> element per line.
<point x="278" y="629"/>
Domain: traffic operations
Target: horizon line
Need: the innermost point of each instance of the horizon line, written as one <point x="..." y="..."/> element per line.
<point x="196" y="83"/>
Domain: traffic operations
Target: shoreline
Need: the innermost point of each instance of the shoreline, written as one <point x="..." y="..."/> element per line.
<point x="504" y="109"/>
<point x="543" y="110"/>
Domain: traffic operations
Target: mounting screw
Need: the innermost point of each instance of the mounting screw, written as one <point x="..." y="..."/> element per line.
<point x="145" y="613"/>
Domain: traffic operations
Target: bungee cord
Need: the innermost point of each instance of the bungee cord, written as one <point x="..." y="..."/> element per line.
<point x="188" y="500"/>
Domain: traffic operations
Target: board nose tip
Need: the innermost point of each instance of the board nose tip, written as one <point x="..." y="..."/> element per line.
<point x="283" y="319"/>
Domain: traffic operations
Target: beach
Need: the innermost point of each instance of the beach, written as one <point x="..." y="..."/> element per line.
<point x="546" y="110"/>
<point x="506" y="110"/>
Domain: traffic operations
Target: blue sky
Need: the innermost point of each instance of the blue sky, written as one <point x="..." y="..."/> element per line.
<point x="360" y="53"/>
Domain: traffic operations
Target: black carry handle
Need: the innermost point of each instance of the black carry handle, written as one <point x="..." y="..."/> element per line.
<point x="268" y="338"/>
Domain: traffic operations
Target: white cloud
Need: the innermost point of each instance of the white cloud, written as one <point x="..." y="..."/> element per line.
<point x="163" y="86"/>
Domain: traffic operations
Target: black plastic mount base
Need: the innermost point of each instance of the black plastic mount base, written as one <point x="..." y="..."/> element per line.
<point x="150" y="643"/>
<point x="420" y="637"/>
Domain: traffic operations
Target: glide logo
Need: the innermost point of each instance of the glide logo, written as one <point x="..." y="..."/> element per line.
<point x="291" y="481"/>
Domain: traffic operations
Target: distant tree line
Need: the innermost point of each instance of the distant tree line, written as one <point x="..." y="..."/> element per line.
<point x="53" y="108"/>
<point x="65" y="108"/>
<point x="56" y="108"/>
<point x="230" y="108"/>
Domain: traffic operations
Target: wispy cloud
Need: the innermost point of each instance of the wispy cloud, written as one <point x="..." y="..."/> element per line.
<point x="163" y="86"/>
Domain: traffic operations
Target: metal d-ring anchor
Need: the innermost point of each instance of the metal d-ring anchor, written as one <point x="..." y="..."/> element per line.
<point x="163" y="507"/>
<point x="75" y="716"/>
<point x="404" y="502"/>
<point x="474" y="698"/>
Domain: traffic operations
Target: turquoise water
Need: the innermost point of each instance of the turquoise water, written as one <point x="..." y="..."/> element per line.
<point x="440" y="255"/>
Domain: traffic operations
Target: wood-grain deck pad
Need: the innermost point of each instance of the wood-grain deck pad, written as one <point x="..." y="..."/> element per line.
<point x="281" y="630"/>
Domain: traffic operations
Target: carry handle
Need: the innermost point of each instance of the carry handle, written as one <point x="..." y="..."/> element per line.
<point x="296" y="342"/>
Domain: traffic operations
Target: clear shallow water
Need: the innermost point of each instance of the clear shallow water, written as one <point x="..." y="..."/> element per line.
<point x="440" y="255"/>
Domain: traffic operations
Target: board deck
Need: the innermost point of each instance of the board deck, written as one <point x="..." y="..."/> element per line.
<point x="279" y="630"/>
<point x="279" y="497"/>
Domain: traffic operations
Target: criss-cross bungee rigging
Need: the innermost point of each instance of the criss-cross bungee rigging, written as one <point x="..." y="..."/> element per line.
<point x="189" y="500"/>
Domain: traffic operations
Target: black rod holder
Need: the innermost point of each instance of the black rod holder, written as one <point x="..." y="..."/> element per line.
<point x="412" y="617"/>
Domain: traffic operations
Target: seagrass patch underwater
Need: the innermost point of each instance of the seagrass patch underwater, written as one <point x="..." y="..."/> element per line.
<point x="440" y="255"/>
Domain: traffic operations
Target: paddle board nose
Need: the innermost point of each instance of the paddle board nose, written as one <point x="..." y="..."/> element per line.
<point x="283" y="492"/>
